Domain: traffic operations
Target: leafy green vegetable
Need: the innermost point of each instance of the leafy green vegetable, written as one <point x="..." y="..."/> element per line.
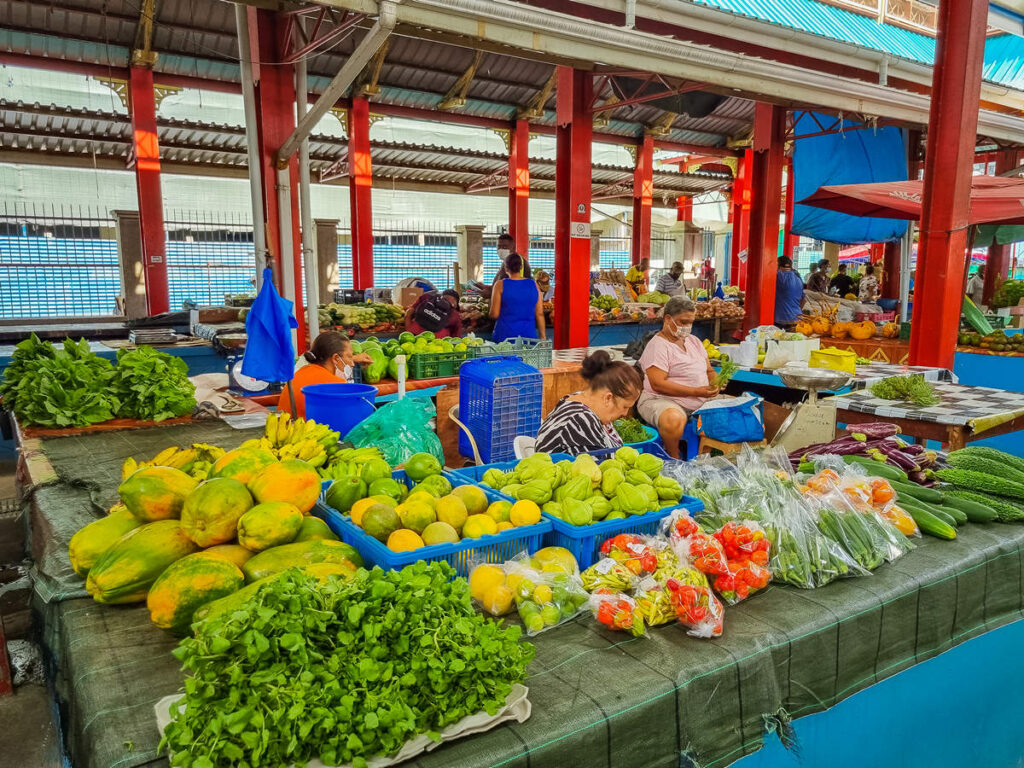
<point x="339" y="671"/>
<point x="1008" y="294"/>
<point x="152" y="385"/>
<point x="631" y="431"/>
<point x="913" y="389"/>
<point x="725" y="373"/>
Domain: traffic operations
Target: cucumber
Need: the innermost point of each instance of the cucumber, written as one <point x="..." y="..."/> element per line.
<point x="930" y="524"/>
<point x="909" y="502"/>
<point x="958" y="515"/>
<point x="878" y="469"/>
<point x="975" y="511"/>
<point x="927" y="495"/>
<point x="806" y="466"/>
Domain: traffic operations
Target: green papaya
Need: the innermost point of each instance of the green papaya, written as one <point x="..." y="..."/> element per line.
<point x="302" y="553"/>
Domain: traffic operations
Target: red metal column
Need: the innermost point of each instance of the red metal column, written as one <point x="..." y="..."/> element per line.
<point x="766" y="190"/>
<point x="147" y="182"/>
<point x="891" y="270"/>
<point x="997" y="267"/>
<point x="519" y="185"/>
<point x="275" y="122"/>
<point x="948" y="165"/>
<point x="572" y="208"/>
<point x="740" y="219"/>
<point x="360" y="191"/>
<point x="789" y="240"/>
<point x="684" y="208"/>
<point x="643" y="197"/>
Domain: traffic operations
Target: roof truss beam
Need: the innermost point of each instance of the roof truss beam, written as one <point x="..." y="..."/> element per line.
<point x="456" y="95"/>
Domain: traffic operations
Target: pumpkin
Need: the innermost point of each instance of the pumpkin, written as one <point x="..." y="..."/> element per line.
<point x="890" y="330"/>
<point x="821" y="325"/>
<point x="804" y="327"/>
<point x="839" y="330"/>
<point x="863" y="330"/>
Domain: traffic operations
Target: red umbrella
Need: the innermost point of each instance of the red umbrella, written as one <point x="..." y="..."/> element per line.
<point x="994" y="199"/>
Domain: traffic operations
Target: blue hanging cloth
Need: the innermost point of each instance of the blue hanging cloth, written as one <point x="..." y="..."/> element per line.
<point x="719" y="293"/>
<point x="269" y="353"/>
<point x="850" y="157"/>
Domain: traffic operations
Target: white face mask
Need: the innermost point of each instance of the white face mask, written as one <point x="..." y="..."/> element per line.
<point x="346" y="373"/>
<point x="682" y="331"/>
<point x="504" y="253"/>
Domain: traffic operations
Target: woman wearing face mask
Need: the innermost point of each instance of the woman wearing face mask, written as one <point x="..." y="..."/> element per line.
<point x="506" y="247"/>
<point x="677" y="375"/>
<point x="328" y="361"/>
<point x="583" y="421"/>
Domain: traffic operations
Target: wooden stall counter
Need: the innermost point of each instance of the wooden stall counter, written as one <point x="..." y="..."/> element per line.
<point x="878" y="350"/>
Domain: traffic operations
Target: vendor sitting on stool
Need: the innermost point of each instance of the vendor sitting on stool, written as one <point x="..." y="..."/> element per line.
<point x="582" y="421"/>
<point x="677" y="373"/>
<point x="328" y="361"/>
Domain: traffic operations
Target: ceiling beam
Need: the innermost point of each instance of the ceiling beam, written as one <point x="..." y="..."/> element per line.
<point x="456" y="95"/>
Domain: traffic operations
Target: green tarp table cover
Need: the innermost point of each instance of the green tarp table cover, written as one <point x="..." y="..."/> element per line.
<point x="602" y="698"/>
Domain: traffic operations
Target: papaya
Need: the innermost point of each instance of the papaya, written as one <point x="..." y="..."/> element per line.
<point x="268" y="525"/>
<point x="97" y="537"/>
<point x="277" y="559"/>
<point x="232" y="553"/>
<point x="211" y="512"/>
<point x="156" y="493"/>
<point x="187" y="585"/>
<point x="293" y="480"/>
<point x="126" y="571"/>
<point x="243" y="464"/>
<point x="314" y="528"/>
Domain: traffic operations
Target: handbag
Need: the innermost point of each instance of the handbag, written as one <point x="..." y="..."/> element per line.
<point x="732" y="419"/>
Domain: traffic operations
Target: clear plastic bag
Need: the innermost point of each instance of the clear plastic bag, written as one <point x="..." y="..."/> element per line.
<point x="696" y="608"/>
<point x="607" y="573"/>
<point x="544" y="599"/>
<point x="639" y="554"/>
<point x="400" y="429"/>
<point x="617" y="611"/>
<point x="489" y="586"/>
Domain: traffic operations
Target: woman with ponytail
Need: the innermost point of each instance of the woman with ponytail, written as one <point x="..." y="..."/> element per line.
<point x="329" y="360"/>
<point x="583" y="421"/>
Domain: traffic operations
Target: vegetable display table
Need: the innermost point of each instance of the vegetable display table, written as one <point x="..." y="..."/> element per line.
<point x="599" y="698"/>
<point x="866" y="375"/>
<point x="964" y="415"/>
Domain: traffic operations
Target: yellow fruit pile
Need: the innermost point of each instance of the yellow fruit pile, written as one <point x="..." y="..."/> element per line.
<point x="296" y="439"/>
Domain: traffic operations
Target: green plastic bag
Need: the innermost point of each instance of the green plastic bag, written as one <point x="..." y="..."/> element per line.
<point x="399" y="430"/>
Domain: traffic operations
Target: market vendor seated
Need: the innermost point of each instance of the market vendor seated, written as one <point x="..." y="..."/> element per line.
<point x="677" y="373"/>
<point x="583" y="421"/>
<point x="328" y="361"/>
<point x="435" y="312"/>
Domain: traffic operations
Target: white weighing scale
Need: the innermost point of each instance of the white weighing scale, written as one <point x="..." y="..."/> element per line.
<point x="811" y="421"/>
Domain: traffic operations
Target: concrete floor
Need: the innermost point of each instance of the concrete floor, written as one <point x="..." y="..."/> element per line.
<point x="30" y="737"/>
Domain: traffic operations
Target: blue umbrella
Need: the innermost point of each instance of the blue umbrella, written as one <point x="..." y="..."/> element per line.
<point x="269" y="354"/>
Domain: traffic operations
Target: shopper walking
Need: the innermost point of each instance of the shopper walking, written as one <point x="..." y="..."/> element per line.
<point x="516" y="304"/>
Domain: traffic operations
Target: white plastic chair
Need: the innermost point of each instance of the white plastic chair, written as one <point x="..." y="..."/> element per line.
<point x="453" y="414"/>
<point x="524" y="446"/>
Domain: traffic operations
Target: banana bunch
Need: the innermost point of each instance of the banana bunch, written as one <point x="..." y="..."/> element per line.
<point x="289" y="438"/>
<point x="197" y="460"/>
<point x="349" y="461"/>
<point x="615" y="576"/>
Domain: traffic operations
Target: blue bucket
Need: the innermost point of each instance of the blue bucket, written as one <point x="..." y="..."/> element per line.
<point x="340" y="406"/>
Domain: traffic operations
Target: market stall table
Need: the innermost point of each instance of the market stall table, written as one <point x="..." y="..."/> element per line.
<point x="866" y="375"/>
<point x="965" y="414"/>
<point x="598" y="698"/>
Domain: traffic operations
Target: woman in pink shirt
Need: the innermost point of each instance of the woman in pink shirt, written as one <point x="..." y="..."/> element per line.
<point x="677" y="373"/>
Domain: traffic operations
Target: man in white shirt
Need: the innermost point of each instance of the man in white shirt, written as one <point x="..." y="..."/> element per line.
<point x="976" y="285"/>
<point x="669" y="282"/>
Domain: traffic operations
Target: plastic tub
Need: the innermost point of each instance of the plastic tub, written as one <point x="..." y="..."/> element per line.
<point x="341" y="406"/>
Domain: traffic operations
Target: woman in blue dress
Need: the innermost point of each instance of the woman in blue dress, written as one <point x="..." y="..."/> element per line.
<point x="516" y="304"/>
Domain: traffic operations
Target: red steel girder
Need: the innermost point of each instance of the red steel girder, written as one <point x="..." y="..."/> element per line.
<point x="766" y="189"/>
<point x="948" y="166"/>
<point x="518" y="175"/>
<point x="789" y="240"/>
<point x="637" y="96"/>
<point x="643" y="198"/>
<point x="740" y="212"/>
<point x="494" y="180"/>
<point x="360" y="191"/>
<point x="891" y="269"/>
<point x="572" y="208"/>
<point x="146" y="150"/>
<point x="328" y="27"/>
<point x="684" y="208"/>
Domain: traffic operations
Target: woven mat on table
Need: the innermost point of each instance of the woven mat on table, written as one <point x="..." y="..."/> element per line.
<point x="605" y="699"/>
<point x="88" y="468"/>
<point x="980" y="408"/>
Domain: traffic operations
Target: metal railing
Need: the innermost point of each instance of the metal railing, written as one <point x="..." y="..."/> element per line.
<point x="208" y="256"/>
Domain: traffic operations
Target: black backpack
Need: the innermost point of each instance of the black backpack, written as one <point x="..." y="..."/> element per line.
<point x="433" y="312"/>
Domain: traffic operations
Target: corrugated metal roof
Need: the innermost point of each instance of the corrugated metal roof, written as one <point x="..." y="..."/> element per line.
<point x="35" y="128"/>
<point x="834" y="23"/>
<point x="1004" y="61"/>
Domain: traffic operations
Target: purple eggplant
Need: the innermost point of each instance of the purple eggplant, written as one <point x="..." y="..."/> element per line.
<point x="875" y="430"/>
<point x="918" y="477"/>
<point x="914" y="449"/>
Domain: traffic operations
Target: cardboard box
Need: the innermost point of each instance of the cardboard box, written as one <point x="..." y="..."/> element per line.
<point x="408" y="296"/>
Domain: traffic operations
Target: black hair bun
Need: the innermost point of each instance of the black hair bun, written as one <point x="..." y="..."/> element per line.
<point x="595" y="364"/>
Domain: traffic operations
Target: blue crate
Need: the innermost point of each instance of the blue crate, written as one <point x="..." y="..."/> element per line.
<point x="462" y="556"/>
<point x="584" y="541"/>
<point x="500" y="398"/>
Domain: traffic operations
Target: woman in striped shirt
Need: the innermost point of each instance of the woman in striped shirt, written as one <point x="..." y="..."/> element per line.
<point x="582" y="421"/>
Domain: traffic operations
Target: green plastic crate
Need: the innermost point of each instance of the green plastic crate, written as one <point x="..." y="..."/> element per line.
<point x="904" y="331"/>
<point x="436" y="365"/>
<point x="536" y="352"/>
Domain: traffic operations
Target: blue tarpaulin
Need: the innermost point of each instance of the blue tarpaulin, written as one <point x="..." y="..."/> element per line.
<point x="269" y="353"/>
<point x="847" y="157"/>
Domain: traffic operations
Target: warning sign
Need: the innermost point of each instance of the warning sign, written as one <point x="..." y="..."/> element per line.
<point x="579" y="229"/>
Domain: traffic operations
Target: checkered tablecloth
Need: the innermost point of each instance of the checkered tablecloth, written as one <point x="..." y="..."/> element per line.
<point x="980" y="408"/>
